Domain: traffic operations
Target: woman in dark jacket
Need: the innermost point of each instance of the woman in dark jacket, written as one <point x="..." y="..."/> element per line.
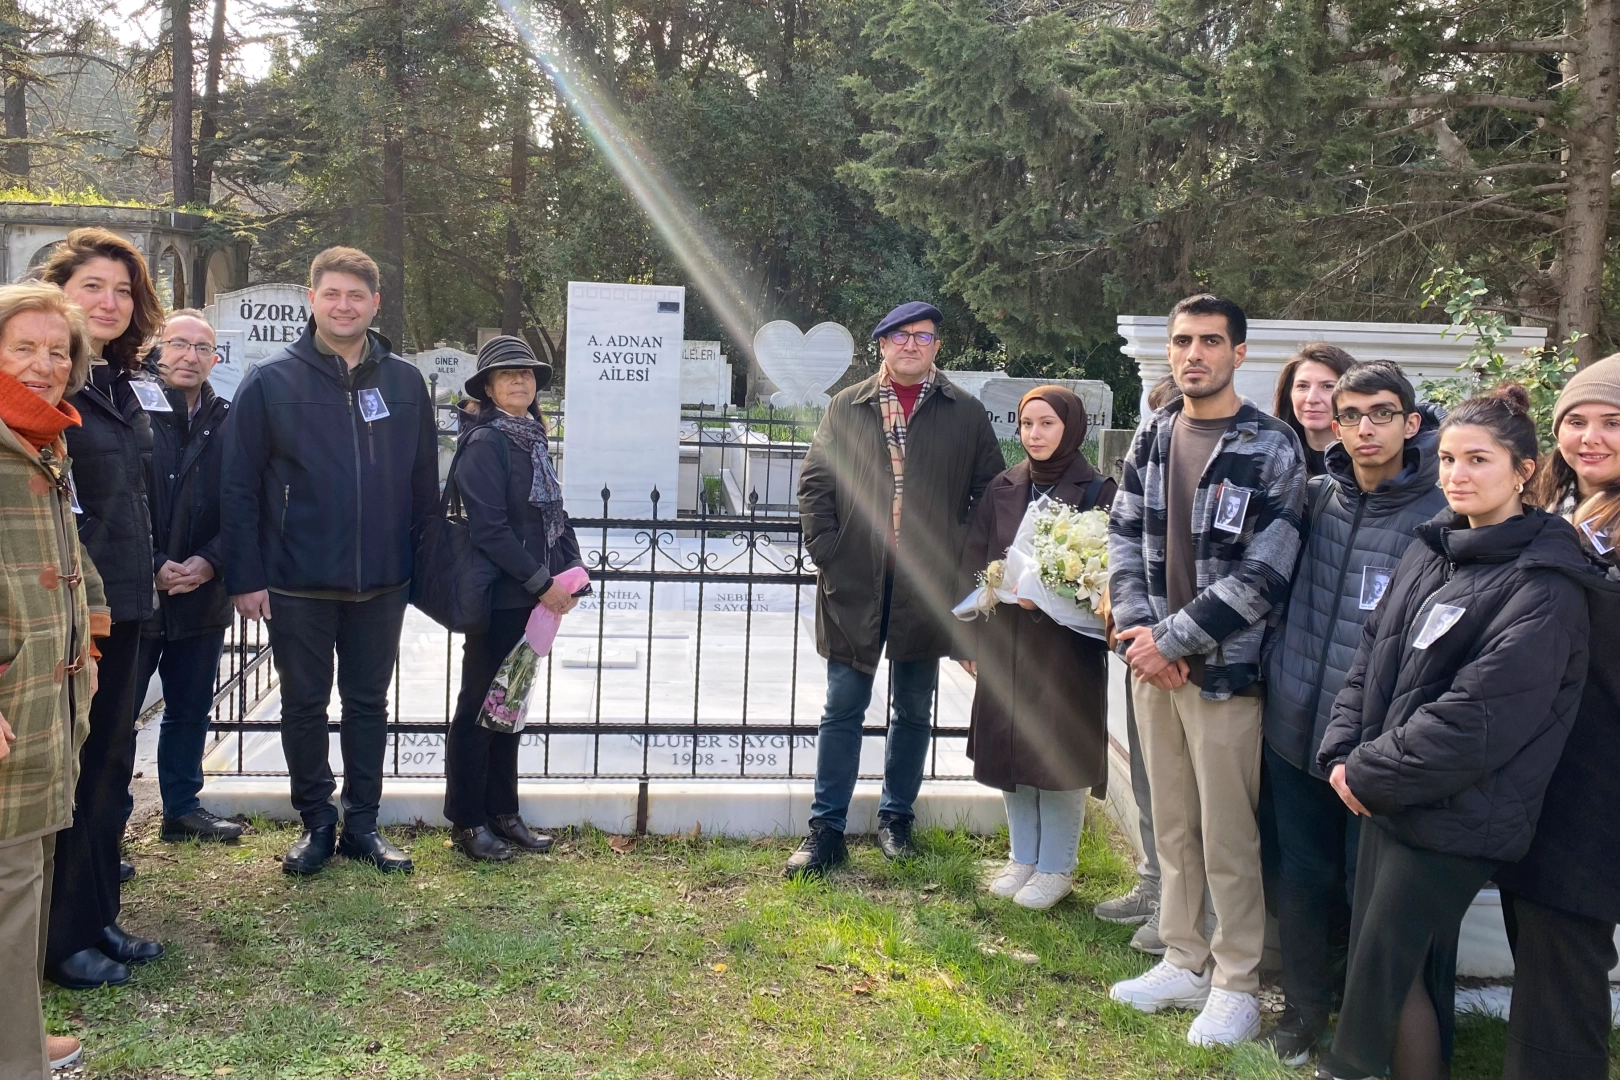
<point x="514" y="511"/>
<point x="1039" y="728"/>
<point x="1562" y="900"/>
<point x="105" y="275"/>
<point x="1448" y="728"/>
<point x="1304" y="398"/>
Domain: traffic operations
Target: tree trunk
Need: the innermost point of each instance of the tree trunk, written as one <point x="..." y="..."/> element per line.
<point x="512" y="286"/>
<point x="1591" y="161"/>
<point x="17" y="161"/>
<point x="180" y="102"/>
<point x="393" y="152"/>
<point x="208" y="125"/>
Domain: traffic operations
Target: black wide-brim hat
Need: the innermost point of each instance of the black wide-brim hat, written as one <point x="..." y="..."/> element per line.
<point x="507" y="352"/>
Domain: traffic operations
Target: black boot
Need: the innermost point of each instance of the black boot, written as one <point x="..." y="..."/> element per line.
<point x="87" y="969"/>
<point x="127" y="948"/>
<point x="311" y="850"/>
<point x="374" y="848"/>
<point x="510" y="827"/>
<point x="894" y="837"/>
<point x="126" y="870"/>
<point x="480" y="844"/>
<point x="203" y="825"/>
<point x="822" y="850"/>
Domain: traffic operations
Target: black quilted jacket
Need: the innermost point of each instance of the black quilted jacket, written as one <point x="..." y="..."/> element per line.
<point x="1451" y="747"/>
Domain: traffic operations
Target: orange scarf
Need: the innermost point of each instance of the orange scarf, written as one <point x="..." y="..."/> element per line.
<point x="26" y="413"/>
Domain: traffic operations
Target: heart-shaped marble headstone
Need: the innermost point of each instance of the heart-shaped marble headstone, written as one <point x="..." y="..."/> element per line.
<point x="803" y="365"/>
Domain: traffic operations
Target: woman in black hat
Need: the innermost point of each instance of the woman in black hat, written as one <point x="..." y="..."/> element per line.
<point x="515" y="513"/>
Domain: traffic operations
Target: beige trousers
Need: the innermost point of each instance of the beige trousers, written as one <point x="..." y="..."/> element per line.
<point x="25" y="897"/>
<point x="1203" y="767"/>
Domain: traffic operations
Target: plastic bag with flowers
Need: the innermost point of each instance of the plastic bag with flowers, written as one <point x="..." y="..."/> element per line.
<point x="1058" y="560"/>
<point x="506" y="702"/>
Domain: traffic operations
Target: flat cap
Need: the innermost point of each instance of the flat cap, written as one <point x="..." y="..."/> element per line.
<point x="909" y="312"/>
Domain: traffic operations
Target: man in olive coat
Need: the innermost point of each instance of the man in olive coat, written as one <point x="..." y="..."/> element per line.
<point x="885" y="500"/>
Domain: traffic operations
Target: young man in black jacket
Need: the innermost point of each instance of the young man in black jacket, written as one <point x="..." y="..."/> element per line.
<point x="1380" y="485"/>
<point x="183" y="641"/>
<point x="331" y="464"/>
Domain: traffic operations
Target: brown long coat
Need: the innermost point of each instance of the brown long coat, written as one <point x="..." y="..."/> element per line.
<point x="1040" y="710"/>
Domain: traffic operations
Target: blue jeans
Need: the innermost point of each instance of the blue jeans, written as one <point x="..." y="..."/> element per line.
<point x="188" y="668"/>
<point x="838" y="747"/>
<point x="1044" y="827"/>
<point x="1317" y="838"/>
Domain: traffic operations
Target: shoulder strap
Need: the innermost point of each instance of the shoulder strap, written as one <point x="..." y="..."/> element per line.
<point x="451" y="499"/>
<point x="1093" y="489"/>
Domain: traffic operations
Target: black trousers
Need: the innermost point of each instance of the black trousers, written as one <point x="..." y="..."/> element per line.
<point x="1559" y="1023"/>
<point x="1408" y="911"/>
<point x="304" y="635"/>
<point x="481" y="765"/>
<point x="1317" y="839"/>
<point x="84" y="891"/>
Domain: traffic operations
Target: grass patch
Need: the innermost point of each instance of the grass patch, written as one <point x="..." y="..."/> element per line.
<point x="684" y="957"/>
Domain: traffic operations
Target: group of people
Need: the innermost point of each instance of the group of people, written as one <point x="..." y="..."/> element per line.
<point x="1358" y="632"/>
<point x="1359" y="607"/>
<point x="139" y="510"/>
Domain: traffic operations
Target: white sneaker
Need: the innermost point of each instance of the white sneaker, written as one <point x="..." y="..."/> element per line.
<point x="1043" y="890"/>
<point x="1011" y="879"/>
<point x="1228" y="1018"/>
<point x="1165" y="986"/>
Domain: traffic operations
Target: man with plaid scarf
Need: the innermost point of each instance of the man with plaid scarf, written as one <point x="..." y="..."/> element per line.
<point x="885" y="499"/>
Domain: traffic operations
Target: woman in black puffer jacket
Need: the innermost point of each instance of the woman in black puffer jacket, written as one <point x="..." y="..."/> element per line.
<point x="1449" y="726"/>
<point x="1562" y="900"/>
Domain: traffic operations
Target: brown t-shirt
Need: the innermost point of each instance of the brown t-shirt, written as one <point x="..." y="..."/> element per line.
<point x="1192" y="444"/>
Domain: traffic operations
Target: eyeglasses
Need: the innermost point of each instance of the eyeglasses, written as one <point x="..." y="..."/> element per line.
<point x="1382" y="416"/>
<point x="204" y="351"/>
<point x="921" y="337"/>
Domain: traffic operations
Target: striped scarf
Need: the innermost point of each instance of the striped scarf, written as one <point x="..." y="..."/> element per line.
<point x="894" y="432"/>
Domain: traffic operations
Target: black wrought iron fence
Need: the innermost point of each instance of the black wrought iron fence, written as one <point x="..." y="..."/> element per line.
<point x="726" y="682"/>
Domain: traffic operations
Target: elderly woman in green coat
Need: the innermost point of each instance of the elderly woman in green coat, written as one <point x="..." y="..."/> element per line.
<point x="51" y="607"/>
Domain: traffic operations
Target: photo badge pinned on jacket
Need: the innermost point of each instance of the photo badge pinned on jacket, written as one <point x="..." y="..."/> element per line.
<point x="1441" y="617"/>
<point x="1231" y="507"/>
<point x="1374" y="584"/>
<point x="372" y="405"/>
<point x="149" y="392"/>
<point x="1599" y="538"/>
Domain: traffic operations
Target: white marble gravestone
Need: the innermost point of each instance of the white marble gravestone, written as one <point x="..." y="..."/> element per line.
<point x="803" y="365"/>
<point x="1000" y="399"/>
<point x="270" y="318"/>
<point x="705" y="375"/>
<point x="452" y="366"/>
<point x="1424" y="351"/>
<point x="228" y="372"/>
<point x="623" y="399"/>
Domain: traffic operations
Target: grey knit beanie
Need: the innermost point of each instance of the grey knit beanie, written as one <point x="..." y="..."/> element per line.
<point x="1598" y="384"/>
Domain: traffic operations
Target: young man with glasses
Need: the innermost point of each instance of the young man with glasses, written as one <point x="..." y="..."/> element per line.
<point x="1379" y="485"/>
<point x="183" y="640"/>
<point x="888" y="574"/>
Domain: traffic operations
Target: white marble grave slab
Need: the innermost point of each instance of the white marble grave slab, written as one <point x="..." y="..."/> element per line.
<point x="452" y="366"/>
<point x="803" y="364"/>
<point x="1000" y="398"/>
<point x="270" y="318"/>
<point x="623" y="396"/>
<point x="228" y="372"/>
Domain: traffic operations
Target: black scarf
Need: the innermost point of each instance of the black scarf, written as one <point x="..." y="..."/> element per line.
<point x="529" y="435"/>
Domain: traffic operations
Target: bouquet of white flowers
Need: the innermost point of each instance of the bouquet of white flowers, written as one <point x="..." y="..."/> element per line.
<point x="1058" y="561"/>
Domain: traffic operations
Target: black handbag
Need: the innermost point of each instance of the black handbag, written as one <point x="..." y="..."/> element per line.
<point x="453" y="581"/>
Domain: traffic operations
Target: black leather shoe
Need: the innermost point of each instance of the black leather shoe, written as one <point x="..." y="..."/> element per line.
<point x="126" y="870"/>
<point x="481" y="844"/>
<point x="375" y="849"/>
<point x="203" y="825"/>
<point x="510" y="827"/>
<point x="894" y="837"/>
<point x="822" y="850"/>
<point x="127" y="948"/>
<point x="310" y="852"/>
<point x="88" y="969"/>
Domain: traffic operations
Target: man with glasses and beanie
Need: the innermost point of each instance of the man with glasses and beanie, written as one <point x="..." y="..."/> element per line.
<point x="183" y="640"/>
<point x="885" y="500"/>
<point x="1381" y="483"/>
<point x="331" y="466"/>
